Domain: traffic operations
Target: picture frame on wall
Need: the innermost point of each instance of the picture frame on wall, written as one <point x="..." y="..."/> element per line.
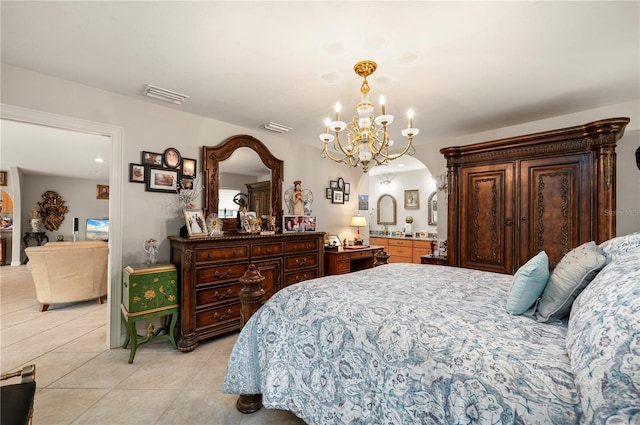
<point x="338" y="197"/>
<point x="151" y="158"/>
<point x="188" y="167"/>
<point x="347" y="188"/>
<point x="161" y="179"/>
<point x="329" y="193"/>
<point x="333" y="184"/>
<point x="102" y="191"/>
<point x="195" y="222"/>
<point x="346" y="197"/>
<point x="172" y="158"/>
<point x="136" y="173"/>
<point x="3" y="178"/>
<point x="411" y="199"/>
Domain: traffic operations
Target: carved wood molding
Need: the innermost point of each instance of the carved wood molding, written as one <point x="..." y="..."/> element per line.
<point x="564" y="209"/>
<point x="494" y="220"/>
<point x="580" y="138"/>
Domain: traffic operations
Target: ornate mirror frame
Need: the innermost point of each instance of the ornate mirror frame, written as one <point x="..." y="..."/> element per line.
<point x="212" y="155"/>
<point x="394" y="205"/>
<point x="431" y="203"/>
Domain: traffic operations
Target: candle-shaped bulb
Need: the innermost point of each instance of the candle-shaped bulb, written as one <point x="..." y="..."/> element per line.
<point x="326" y="125"/>
<point x="338" y="108"/>
<point x="410" y="116"/>
<point x="382" y="102"/>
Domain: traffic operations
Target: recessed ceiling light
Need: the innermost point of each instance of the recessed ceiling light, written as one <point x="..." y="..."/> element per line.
<point x="100" y="160"/>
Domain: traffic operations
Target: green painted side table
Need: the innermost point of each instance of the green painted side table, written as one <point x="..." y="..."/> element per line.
<point x="149" y="291"/>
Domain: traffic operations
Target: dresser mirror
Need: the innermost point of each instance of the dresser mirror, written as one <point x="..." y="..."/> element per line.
<point x="386" y="210"/>
<point x="214" y="158"/>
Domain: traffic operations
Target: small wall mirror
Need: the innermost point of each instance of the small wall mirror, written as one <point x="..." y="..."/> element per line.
<point x="432" y="208"/>
<point x="386" y="209"/>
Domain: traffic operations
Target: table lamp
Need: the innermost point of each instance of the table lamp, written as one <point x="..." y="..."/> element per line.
<point x="358" y="221"/>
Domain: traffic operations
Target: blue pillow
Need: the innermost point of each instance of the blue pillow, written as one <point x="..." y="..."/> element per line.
<point x="528" y="284"/>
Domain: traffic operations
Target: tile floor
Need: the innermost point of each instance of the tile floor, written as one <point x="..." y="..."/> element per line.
<point x="79" y="381"/>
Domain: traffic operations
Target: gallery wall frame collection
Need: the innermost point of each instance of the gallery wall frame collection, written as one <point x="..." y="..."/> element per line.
<point x="168" y="171"/>
<point x="338" y="191"/>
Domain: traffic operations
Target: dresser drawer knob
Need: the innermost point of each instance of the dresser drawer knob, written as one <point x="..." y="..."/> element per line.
<point x="301" y="278"/>
<point x="224" y="294"/>
<point x="222" y="316"/>
<point x="222" y="276"/>
<point x="301" y="263"/>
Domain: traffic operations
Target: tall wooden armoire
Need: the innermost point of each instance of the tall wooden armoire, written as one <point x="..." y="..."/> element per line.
<point x="512" y="198"/>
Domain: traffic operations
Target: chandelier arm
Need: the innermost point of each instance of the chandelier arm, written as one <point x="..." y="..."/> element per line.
<point x="405" y="151"/>
<point x="325" y="154"/>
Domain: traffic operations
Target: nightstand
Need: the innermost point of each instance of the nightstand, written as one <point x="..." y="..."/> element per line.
<point x="149" y="291"/>
<point x="430" y="259"/>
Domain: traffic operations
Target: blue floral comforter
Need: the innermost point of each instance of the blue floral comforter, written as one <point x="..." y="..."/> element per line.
<point x="404" y="344"/>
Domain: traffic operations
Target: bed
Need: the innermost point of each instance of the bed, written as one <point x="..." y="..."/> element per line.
<point x="423" y="344"/>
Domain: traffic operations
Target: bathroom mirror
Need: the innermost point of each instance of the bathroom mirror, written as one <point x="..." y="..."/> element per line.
<point x="386" y="209"/>
<point x="214" y="156"/>
<point x="432" y="208"/>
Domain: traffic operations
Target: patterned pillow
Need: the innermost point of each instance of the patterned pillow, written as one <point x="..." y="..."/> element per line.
<point x="603" y="344"/>
<point x="620" y="246"/>
<point x="572" y="274"/>
<point x="528" y="283"/>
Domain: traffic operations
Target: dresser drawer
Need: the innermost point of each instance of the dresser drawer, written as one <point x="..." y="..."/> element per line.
<point x="300" y="276"/>
<point x="265" y="250"/>
<point x="216" y="316"/>
<point x="401" y="242"/>
<point x="219" y="274"/>
<point x="300" y="261"/>
<point x="238" y="252"/>
<point x="400" y="251"/>
<point x="213" y="294"/>
<point x="343" y="266"/>
<point x="301" y="246"/>
<point x="379" y="241"/>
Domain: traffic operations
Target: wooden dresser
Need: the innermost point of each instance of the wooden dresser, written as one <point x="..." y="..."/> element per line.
<point x="512" y="198"/>
<point x="209" y="269"/>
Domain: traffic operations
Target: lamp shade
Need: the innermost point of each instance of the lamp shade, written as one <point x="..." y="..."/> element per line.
<point x="358" y="221"/>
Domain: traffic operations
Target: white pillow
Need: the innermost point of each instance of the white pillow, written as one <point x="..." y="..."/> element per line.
<point x="572" y="274"/>
<point x="528" y="283"/>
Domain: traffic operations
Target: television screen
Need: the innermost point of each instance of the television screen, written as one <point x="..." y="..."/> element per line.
<point x="98" y="229"/>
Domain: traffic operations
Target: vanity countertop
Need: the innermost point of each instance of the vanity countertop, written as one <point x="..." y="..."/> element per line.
<point x="392" y="236"/>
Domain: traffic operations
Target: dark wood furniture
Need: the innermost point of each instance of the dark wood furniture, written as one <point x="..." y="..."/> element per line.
<point x="3" y="251"/>
<point x="512" y="198"/>
<point x="259" y="195"/>
<point x="212" y="155"/>
<point x="39" y="238"/>
<point x="209" y="270"/>
<point x="350" y="260"/>
<point x="435" y="260"/>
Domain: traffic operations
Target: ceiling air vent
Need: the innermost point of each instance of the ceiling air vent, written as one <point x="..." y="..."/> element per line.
<point x="275" y="127"/>
<point x="164" y="94"/>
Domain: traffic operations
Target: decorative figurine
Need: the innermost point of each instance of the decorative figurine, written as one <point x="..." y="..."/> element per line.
<point x="298" y="202"/>
<point x="151" y="248"/>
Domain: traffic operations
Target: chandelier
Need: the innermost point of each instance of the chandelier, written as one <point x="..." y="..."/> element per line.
<point x="367" y="143"/>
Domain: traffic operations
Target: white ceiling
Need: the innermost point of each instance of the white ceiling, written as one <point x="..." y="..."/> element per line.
<point x="464" y="67"/>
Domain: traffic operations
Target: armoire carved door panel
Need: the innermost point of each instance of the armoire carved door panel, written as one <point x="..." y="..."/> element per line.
<point x="486" y="231"/>
<point x="554" y="206"/>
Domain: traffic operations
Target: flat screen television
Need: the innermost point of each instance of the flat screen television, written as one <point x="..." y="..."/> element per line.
<point x="97" y="229"/>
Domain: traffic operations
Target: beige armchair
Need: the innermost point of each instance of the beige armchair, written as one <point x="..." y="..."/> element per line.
<point x="69" y="271"/>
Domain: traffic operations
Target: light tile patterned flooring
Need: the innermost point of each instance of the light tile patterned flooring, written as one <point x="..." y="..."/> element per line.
<point x="80" y="381"/>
